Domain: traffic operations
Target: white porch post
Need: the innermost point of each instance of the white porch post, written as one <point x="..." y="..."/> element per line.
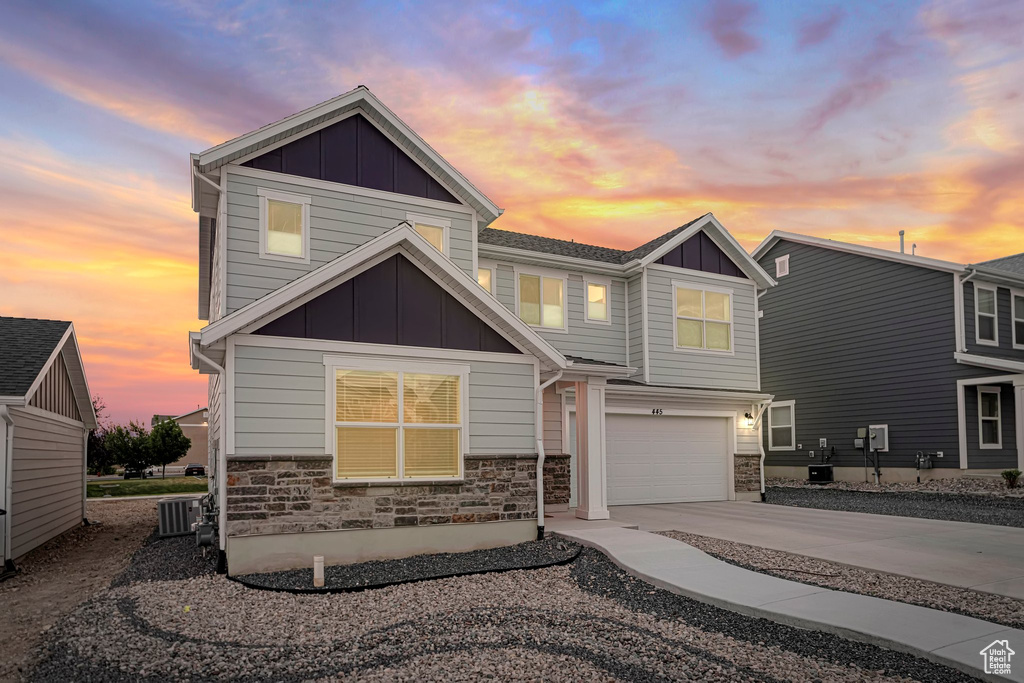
<point x="591" y="455"/>
<point x="1018" y="404"/>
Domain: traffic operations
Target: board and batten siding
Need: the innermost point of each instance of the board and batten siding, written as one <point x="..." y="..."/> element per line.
<point x="857" y="341"/>
<point x="339" y="222"/>
<point x="279" y="397"/>
<point x="701" y="369"/>
<point x="48" y="474"/>
<point x="1004" y="321"/>
<point x="592" y="340"/>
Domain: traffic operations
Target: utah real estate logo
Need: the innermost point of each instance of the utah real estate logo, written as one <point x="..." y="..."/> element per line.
<point x="997" y="658"/>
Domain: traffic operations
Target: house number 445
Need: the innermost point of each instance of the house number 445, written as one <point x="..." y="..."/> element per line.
<point x="656" y="411"/>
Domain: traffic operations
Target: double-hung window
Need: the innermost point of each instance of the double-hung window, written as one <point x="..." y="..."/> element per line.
<point x="284" y="226"/>
<point x="432" y="229"/>
<point x="986" y="328"/>
<point x="541" y="299"/>
<point x="486" y="275"/>
<point x="598" y="301"/>
<point x="1017" y="308"/>
<point x="990" y="421"/>
<point x="703" y="318"/>
<point x="396" y="421"/>
<point x="782" y="426"/>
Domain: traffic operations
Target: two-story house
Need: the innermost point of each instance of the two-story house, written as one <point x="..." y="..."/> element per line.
<point x="930" y="351"/>
<point x="389" y="375"/>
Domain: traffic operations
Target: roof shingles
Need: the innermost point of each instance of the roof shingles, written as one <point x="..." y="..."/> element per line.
<point x="1012" y="264"/>
<point x="25" y="346"/>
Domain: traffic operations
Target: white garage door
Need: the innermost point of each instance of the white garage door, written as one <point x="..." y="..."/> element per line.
<point x="663" y="459"/>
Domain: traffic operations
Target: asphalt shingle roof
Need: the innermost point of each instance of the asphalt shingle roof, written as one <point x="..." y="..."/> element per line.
<point x="1012" y="264"/>
<point x="589" y="252"/>
<point x="25" y="345"/>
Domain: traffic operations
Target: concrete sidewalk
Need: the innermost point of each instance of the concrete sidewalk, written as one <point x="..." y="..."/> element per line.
<point x="943" y="637"/>
<point x="978" y="556"/>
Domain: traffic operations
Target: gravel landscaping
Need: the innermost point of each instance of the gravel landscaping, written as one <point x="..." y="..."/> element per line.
<point x="582" y="621"/>
<point x="418" y="568"/>
<point x="995" y="608"/>
<point x="983" y="486"/>
<point x="954" y="507"/>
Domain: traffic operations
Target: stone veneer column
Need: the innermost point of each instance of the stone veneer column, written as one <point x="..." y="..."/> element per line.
<point x="591" y="449"/>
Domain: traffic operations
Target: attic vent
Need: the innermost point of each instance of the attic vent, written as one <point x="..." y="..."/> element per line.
<point x="782" y="266"/>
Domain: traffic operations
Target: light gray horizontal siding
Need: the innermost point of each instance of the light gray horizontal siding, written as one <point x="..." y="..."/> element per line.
<point x="635" y="311"/>
<point x="705" y="370"/>
<point x="595" y="341"/>
<point x="857" y="341"/>
<point x="552" y="421"/>
<point x="280" y="393"/>
<point x="339" y="222"/>
<point x="48" y="472"/>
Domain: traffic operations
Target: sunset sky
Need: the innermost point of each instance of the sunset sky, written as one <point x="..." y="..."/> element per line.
<point x="605" y="122"/>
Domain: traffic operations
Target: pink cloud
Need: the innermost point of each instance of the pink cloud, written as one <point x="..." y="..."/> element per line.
<point x="728" y="24"/>
<point x="820" y="29"/>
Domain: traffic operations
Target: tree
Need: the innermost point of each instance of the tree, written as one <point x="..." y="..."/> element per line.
<point x="98" y="457"/>
<point x="168" y="444"/>
<point x="129" y="446"/>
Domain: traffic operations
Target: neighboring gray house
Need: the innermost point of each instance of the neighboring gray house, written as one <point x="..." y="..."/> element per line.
<point x="388" y="374"/>
<point x="45" y="416"/>
<point x="854" y="336"/>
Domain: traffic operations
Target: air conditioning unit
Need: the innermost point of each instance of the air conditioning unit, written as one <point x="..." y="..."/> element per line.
<point x="176" y="516"/>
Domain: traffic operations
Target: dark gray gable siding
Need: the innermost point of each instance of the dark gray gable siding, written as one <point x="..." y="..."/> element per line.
<point x="392" y="303"/>
<point x="857" y="341"/>
<point x="355" y="152"/>
<point x="1003" y="319"/>
<point x="701" y="253"/>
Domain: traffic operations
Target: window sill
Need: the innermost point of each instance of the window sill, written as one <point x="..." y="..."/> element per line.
<point x="397" y="483"/>
<point x="704" y="352"/>
<point x="986" y="342"/>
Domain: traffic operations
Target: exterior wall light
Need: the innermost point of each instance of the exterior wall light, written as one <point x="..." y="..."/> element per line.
<point x="750" y="420"/>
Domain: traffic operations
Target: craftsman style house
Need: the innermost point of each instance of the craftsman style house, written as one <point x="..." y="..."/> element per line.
<point x="931" y="352"/>
<point x="390" y="375"/>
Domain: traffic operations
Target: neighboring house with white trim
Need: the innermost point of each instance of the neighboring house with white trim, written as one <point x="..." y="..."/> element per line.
<point x="46" y="413"/>
<point x="196" y="426"/>
<point x="388" y="373"/>
<point x="854" y="336"/>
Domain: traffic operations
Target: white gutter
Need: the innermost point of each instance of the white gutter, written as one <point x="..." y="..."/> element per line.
<point x="222" y="458"/>
<point x="5" y="415"/>
<point x="539" y="431"/>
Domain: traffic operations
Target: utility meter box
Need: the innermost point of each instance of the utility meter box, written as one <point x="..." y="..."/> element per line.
<point x="878" y="438"/>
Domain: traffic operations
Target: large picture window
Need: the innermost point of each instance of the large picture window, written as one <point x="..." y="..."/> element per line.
<point x="703" y="319"/>
<point x="397" y="423"/>
<point x="986" y="327"/>
<point x="782" y="426"/>
<point x="284" y="226"/>
<point x="541" y="300"/>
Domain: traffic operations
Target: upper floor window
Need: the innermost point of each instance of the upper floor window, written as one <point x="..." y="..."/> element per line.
<point x="400" y="422"/>
<point x="541" y="299"/>
<point x="986" y="328"/>
<point x="284" y="226"/>
<point x="1017" y="306"/>
<point x="485" y="276"/>
<point x="990" y="424"/>
<point x="432" y="229"/>
<point x="598" y="303"/>
<point x="703" y="318"/>
<point x="782" y="426"/>
<point x="782" y="266"/>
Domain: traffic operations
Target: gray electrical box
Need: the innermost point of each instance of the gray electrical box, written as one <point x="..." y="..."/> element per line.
<point x="858" y="443"/>
<point x="879" y="437"/>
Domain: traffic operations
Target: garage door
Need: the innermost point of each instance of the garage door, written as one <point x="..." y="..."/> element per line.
<point x="662" y="459"/>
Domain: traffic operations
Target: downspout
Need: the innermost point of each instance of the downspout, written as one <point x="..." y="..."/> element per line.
<point x="222" y="466"/>
<point x="760" y="440"/>
<point x="539" y="420"/>
<point x="5" y="415"/>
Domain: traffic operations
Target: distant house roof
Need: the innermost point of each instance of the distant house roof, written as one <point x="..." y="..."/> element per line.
<point x="25" y="346"/>
<point x="872" y="252"/>
<point x="589" y="252"/>
<point x="1010" y="264"/>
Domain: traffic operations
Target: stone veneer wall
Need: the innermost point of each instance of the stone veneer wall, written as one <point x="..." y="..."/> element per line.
<point x="747" y="473"/>
<point x="556" y="479"/>
<point x="288" y="494"/>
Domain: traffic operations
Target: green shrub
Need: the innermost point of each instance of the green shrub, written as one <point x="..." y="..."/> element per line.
<point x="1011" y="477"/>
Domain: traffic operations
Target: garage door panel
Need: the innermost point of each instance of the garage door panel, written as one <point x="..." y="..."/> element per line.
<point x="665" y="459"/>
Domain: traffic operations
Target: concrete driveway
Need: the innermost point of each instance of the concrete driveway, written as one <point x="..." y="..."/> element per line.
<point x="979" y="556"/>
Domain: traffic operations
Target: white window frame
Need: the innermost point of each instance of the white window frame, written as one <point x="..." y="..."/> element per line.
<point x="602" y="282"/>
<point x="998" y="418"/>
<point x="543" y="273"/>
<point x="1018" y="341"/>
<point x="792" y="426"/>
<point x="291" y="198"/>
<point x="434" y="221"/>
<point x="995" y="314"/>
<point x="782" y="266"/>
<point x="682" y="284"/>
<point x="334" y="363"/>
<point x="492" y="266"/>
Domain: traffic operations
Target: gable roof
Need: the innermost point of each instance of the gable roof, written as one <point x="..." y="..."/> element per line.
<point x="401" y="239"/>
<point x="362" y="99"/>
<point x="1012" y="265"/>
<point x="28" y="347"/>
<point x="642" y="256"/>
<point x="871" y="252"/>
